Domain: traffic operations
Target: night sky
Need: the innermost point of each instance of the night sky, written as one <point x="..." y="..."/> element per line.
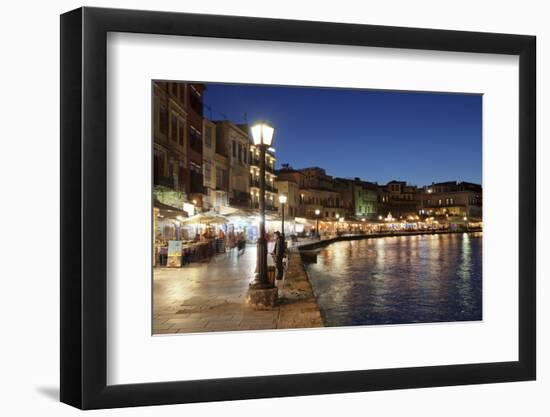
<point x="375" y="135"/>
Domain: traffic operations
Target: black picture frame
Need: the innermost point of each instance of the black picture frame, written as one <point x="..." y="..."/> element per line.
<point x="84" y="207"/>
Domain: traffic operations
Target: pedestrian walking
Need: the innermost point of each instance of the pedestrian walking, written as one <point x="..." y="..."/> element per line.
<point x="241" y="244"/>
<point x="231" y="241"/>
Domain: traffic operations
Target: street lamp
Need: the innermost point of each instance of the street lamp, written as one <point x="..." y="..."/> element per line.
<point x="262" y="136"/>
<point x="317" y="212"/>
<point x="282" y="200"/>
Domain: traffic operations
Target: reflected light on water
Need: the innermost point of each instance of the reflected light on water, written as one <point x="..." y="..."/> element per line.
<point x="409" y="279"/>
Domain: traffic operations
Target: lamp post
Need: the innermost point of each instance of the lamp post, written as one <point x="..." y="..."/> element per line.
<point x="282" y="200"/>
<point x="317" y="212"/>
<point x="262" y="135"/>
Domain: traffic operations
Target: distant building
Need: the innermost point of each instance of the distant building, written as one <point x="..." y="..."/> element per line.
<point x="366" y="200"/>
<point x="361" y="197"/>
<point x="397" y="198"/>
<point x="291" y="181"/>
<point x="328" y="202"/>
<point x="315" y="177"/>
<point x="344" y="187"/>
<point x="290" y="188"/>
<point x="451" y="199"/>
<point x="287" y="173"/>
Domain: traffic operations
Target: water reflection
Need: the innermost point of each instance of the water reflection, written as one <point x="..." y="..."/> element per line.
<point x="405" y="279"/>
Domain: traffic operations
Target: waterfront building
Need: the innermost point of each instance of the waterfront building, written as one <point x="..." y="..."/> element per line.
<point x="194" y="107"/>
<point x="271" y="192"/>
<point x="359" y="197"/>
<point x="317" y="178"/>
<point x="215" y="164"/>
<point x="208" y="152"/>
<point x="318" y="192"/>
<point x="344" y="187"/>
<point x="235" y="141"/>
<point x="328" y="202"/>
<point x="290" y="188"/>
<point x="287" y="173"/>
<point x="170" y="172"/>
<point x="221" y="175"/>
<point x="451" y="199"/>
<point x="177" y="158"/>
<point x="365" y="199"/>
<point x="177" y="142"/>
<point x="397" y="198"/>
<point x="291" y="181"/>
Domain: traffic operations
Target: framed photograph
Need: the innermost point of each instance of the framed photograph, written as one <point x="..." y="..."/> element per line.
<point x="257" y="208"/>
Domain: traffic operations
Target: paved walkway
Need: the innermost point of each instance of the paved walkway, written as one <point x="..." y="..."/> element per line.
<point x="204" y="297"/>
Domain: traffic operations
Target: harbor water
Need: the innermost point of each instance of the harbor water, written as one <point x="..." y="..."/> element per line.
<point x="400" y="279"/>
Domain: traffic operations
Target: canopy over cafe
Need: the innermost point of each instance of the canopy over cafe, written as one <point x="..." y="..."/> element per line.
<point x="180" y="236"/>
<point x="211" y="229"/>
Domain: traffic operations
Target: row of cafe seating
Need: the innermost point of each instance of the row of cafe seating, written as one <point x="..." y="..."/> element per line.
<point x="175" y="224"/>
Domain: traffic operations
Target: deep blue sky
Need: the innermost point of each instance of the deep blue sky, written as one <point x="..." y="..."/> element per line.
<point x="376" y="135"/>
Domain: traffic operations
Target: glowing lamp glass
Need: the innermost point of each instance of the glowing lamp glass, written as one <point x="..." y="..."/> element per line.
<point x="262" y="134"/>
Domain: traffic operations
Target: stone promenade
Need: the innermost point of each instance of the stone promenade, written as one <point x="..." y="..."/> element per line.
<point x="210" y="297"/>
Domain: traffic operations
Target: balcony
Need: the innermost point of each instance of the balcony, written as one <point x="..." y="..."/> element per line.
<point x="164" y="181"/>
<point x="255" y="183"/>
<point x="268" y="206"/>
<point x="197" y="185"/>
<point x="256" y="162"/>
<point x="240" y="199"/>
<point x="195" y="143"/>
